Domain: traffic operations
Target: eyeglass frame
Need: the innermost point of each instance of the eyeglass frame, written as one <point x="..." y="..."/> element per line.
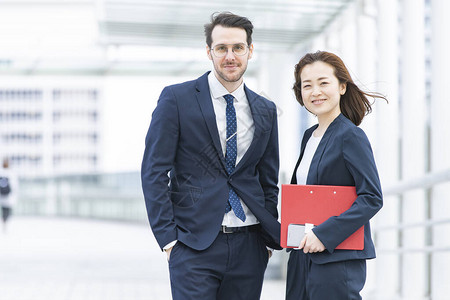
<point x="246" y="52"/>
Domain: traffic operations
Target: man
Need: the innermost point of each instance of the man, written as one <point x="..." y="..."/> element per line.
<point x="216" y="212"/>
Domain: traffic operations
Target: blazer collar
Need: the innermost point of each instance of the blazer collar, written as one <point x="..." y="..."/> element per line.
<point x="305" y="139"/>
<point x="313" y="174"/>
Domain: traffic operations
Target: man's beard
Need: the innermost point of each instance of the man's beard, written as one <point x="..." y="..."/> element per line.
<point x="227" y="78"/>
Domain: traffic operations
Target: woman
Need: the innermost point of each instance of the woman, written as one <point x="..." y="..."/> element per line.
<point x="333" y="152"/>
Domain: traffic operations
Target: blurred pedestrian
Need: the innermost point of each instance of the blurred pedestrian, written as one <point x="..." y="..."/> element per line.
<point x="8" y="191"/>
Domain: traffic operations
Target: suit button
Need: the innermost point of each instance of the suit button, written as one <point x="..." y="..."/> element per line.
<point x="230" y="180"/>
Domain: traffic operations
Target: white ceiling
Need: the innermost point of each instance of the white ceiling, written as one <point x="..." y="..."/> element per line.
<point x="142" y="36"/>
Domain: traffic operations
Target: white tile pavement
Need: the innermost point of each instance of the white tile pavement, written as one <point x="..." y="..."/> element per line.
<point x="75" y="259"/>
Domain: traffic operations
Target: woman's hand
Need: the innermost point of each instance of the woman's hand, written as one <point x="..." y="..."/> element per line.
<point x="311" y="244"/>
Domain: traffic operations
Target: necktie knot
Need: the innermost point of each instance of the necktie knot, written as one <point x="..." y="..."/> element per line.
<point x="229" y="98"/>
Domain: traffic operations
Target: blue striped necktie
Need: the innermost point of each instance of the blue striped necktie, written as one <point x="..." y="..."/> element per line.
<point x="230" y="157"/>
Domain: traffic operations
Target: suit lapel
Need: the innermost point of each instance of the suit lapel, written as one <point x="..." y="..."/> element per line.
<point x="305" y="139"/>
<point x="259" y="115"/>
<point x="313" y="173"/>
<point x="204" y="100"/>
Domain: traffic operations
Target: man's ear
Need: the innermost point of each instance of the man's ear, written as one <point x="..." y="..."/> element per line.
<point x="208" y="52"/>
<point x="250" y="51"/>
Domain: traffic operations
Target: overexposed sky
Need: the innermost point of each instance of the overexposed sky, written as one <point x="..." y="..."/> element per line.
<point x="128" y="104"/>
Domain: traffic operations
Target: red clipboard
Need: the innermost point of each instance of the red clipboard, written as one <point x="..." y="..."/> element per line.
<point x="314" y="204"/>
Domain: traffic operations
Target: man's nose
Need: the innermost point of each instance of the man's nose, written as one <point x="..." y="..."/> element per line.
<point x="230" y="54"/>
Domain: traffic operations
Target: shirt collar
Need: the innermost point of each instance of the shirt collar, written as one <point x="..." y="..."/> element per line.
<point x="218" y="90"/>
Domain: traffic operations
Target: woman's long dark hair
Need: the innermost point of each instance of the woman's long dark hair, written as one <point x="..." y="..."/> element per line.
<point x="354" y="103"/>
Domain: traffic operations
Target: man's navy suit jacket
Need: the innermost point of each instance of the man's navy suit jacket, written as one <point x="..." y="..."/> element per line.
<point x="344" y="157"/>
<point x="188" y="205"/>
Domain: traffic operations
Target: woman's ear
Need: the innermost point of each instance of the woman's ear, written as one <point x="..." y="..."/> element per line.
<point x="343" y="88"/>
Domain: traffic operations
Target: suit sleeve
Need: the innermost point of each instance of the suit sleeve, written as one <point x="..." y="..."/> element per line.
<point x="159" y="156"/>
<point x="359" y="160"/>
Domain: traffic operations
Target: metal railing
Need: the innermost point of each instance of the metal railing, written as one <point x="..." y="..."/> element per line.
<point x="432" y="252"/>
<point x="115" y="196"/>
<point x="422" y="183"/>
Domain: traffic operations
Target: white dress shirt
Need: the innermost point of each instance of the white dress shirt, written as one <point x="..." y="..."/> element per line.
<point x="305" y="163"/>
<point x="245" y="132"/>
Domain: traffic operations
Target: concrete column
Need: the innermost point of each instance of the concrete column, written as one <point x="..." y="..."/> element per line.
<point x="276" y="79"/>
<point x="413" y="145"/>
<point x="386" y="148"/>
<point x="364" y="75"/>
<point x="440" y="143"/>
<point x="347" y="32"/>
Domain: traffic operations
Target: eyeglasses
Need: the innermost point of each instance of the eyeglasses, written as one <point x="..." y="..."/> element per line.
<point x="221" y="50"/>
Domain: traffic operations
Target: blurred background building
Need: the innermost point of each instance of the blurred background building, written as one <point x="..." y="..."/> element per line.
<point x="50" y="129"/>
<point x="80" y="78"/>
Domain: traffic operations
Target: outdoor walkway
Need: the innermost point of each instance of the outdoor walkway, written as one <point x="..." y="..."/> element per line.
<point x="75" y="259"/>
